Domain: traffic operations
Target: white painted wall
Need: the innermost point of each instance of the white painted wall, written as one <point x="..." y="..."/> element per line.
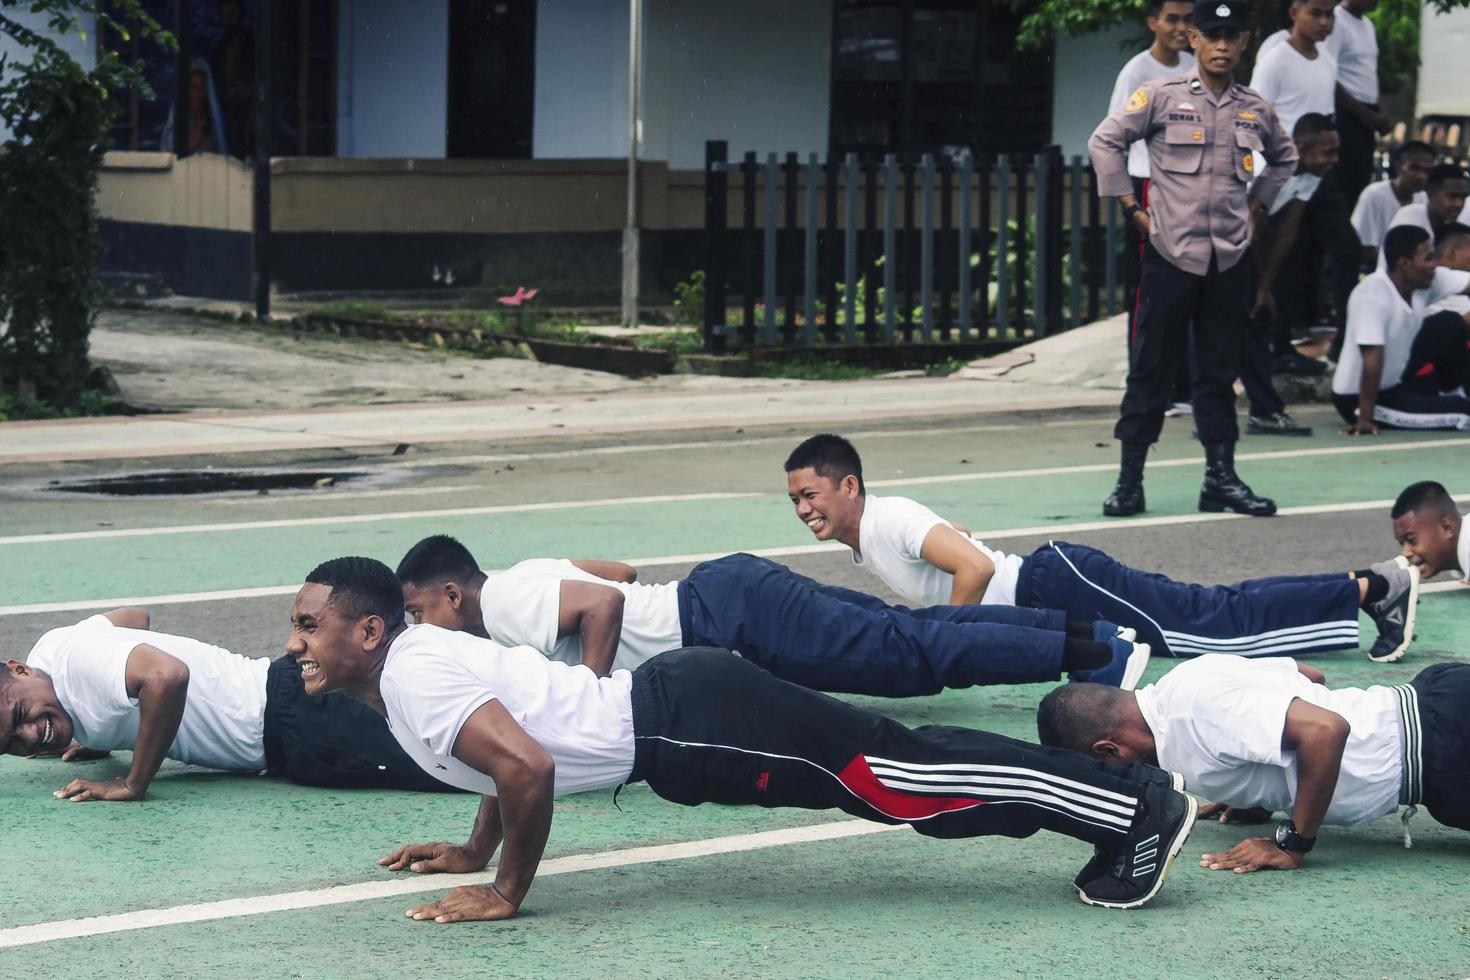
<point x="1083" y="74"/>
<point x="756" y="73"/>
<point x="81" y="43"/>
<point x="581" y="102"/>
<point x="1444" y="70"/>
<point x="393" y="76"/>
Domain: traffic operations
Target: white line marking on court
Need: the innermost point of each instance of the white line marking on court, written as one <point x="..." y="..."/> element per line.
<point x="340" y="496"/>
<point x="1051" y="530"/>
<point x="134" y="532"/>
<point x="45" y="932"/>
<point x="140" y="532"/>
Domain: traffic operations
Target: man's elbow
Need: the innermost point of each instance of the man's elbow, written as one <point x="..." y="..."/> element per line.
<point x="170" y="676"/>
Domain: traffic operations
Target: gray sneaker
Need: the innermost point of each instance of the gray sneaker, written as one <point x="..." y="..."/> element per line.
<point x="1394" y="613"/>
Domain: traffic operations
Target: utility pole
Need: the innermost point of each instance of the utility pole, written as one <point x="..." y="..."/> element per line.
<point x="630" y="228"/>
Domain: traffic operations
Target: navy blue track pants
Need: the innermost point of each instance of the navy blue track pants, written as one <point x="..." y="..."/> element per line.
<point x="1266" y="617"/>
<point x="841" y="641"/>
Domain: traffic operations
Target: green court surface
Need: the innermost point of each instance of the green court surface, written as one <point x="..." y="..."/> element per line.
<point x="888" y="903"/>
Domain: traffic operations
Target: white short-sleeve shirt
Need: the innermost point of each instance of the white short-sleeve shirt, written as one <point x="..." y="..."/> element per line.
<point x="522" y="606"/>
<point x="890" y="545"/>
<point x="1143" y="67"/>
<point x="1354" y="43"/>
<point x="1219" y="720"/>
<point x="1462" y="549"/>
<point x="434" y="680"/>
<point x="1376" y="208"/>
<point x="1416" y="214"/>
<point x="1300" y="187"/>
<point x="1379" y="316"/>
<point x="224" y="716"/>
<point x="1295" y="84"/>
<point x="1272" y="39"/>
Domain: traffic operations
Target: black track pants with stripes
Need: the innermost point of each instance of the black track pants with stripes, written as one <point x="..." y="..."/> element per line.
<point x="711" y="727"/>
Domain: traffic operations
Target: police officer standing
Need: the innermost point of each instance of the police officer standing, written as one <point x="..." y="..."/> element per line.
<point x="1202" y="131"/>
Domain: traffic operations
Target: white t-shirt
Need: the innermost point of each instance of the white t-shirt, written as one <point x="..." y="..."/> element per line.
<point x="1416" y="214"/>
<point x="1295" y="84"/>
<point x="434" y="680"/>
<point x="1378" y="316"/>
<point x="1300" y="187"/>
<point x="1143" y="67"/>
<point x="224" y="717"/>
<point x="1377" y="206"/>
<point x="1354" y="43"/>
<point x="1462" y="551"/>
<point x="522" y="605"/>
<point x="1219" y="719"/>
<point x="1271" y="41"/>
<point x="891" y="538"/>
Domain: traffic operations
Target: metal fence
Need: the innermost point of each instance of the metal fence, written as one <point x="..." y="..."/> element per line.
<point x="846" y="251"/>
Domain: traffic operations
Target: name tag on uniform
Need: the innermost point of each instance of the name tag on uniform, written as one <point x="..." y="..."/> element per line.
<point x="1183" y="117"/>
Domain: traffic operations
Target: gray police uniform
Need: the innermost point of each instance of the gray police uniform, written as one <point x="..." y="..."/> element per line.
<point x="1201" y="149"/>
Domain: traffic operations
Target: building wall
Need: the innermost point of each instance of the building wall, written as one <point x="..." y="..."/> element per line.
<point x="392" y="78"/>
<point x="1444" y="71"/>
<point x="80" y="43"/>
<point x="702" y="78"/>
<point x="1084" y="71"/>
<point x="756" y="73"/>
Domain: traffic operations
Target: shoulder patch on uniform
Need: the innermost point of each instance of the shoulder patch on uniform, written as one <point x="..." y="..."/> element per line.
<point x="1136" y="101"/>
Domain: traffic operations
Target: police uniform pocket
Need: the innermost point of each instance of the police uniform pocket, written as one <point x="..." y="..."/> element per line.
<point x="1184" y="149"/>
<point x="1248" y="148"/>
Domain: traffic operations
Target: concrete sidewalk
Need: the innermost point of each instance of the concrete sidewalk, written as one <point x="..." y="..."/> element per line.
<point x="811" y="403"/>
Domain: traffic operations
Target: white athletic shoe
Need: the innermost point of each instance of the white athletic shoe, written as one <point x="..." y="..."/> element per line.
<point x="1137" y="664"/>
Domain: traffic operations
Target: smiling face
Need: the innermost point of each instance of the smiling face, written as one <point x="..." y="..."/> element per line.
<point x="1319" y="154"/>
<point x="335" y="653"/>
<point x="1429" y="539"/>
<point x="1171" y="24"/>
<point x="441" y="604"/>
<point x="32" y="720"/>
<point x="830" y="509"/>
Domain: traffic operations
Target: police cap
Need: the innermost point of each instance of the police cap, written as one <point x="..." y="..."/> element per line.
<point x="1211" y="14"/>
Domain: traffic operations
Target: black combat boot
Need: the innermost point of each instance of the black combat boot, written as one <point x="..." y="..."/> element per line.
<point x="1223" y="490"/>
<point x="1127" y="497"/>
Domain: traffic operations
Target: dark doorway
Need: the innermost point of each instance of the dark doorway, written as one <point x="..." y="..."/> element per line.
<point x="492" y="70"/>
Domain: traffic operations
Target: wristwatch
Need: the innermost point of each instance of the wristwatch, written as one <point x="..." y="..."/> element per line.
<point x="1289" y="840"/>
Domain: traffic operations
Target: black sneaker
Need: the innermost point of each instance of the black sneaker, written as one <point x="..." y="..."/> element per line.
<point x="1394" y="613"/>
<point x="1276" y="424"/>
<point x="1134" y="872"/>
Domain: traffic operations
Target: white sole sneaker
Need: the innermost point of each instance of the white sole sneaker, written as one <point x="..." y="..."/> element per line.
<point x="1175" y="846"/>
<point x="1410" y="613"/>
<point x="1136" y="665"/>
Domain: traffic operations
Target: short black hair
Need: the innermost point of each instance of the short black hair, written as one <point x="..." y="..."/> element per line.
<point x="1450" y="235"/>
<point x="1310" y="125"/>
<point x="361" y="587"/>
<point x="1443" y="173"/>
<point x="831" y="456"/>
<point x="1413" y="147"/>
<point x="1402" y="242"/>
<point x="1074" y="716"/>
<point x="1426" y="495"/>
<point x="438" y="558"/>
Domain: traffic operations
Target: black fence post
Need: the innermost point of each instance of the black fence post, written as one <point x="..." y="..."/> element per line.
<point x="1053" y="291"/>
<point x="790" y="268"/>
<point x="716" y="209"/>
<point x="868" y="272"/>
<point x="748" y="276"/>
<point x="1096" y="242"/>
<point x="1021" y="248"/>
<point x="833" y="254"/>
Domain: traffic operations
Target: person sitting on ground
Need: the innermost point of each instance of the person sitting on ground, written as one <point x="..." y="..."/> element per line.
<point x="1427" y="524"/>
<point x="1262" y="736"/>
<point x="1269" y="349"/>
<point x="597" y="614"/>
<point x="1396" y="369"/>
<point x="926" y="559"/>
<point x="1380" y="202"/>
<point x="1446" y="190"/>
<point x="110" y="682"/>
<point x="699" y="726"/>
